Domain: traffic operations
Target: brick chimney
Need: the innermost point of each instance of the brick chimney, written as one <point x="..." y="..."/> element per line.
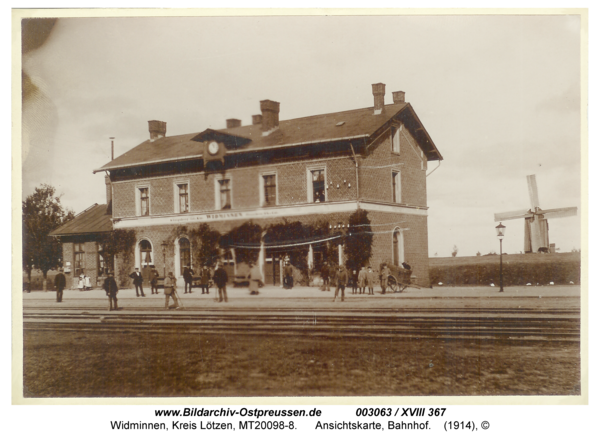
<point x="257" y="119"/>
<point x="108" y="189"/>
<point x="233" y="123"/>
<point x="379" y="96"/>
<point x="270" y="116"/>
<point x="157" y="129"/>
<point x="398" y="97"/>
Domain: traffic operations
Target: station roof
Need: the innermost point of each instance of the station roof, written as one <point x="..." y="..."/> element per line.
<point x="95" y="219"/>
<point x="324" y="128"/>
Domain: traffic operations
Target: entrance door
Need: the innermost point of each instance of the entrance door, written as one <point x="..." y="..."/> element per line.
<point x="146" y="261"/>
<point x="184" y="255"/>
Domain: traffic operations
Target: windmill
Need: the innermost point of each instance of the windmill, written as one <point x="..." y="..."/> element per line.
<point x="536" y="219"/>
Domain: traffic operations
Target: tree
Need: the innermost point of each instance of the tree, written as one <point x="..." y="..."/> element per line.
<point x="454" y="251"/>
<point x="207" y="250"/>
<point x="245" y="240"/>
<point x="42" y="213"/>
<point x="359" y="240"/>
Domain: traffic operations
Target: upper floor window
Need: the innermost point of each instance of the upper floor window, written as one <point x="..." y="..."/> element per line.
<point x="396" y="139"/>
<point x="224" y="194"/>
<point x="143" y="201"/>
<point x="269" y="190"/>
<point x="317" y="185"/>
<point x="396" y="192"/>
<point x="183" y="201"/>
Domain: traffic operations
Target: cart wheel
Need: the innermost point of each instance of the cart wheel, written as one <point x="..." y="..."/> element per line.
<point x="393" y="284"/>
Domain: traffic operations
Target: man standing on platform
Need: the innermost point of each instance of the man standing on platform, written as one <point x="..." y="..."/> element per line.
<point x="204" y="279"/>
<point x="220" y="278"/>
<point x="110" y="286"/>
<point x="288" y="280"/>
<point x="188" y="277"/>
<point x="60" y="282"/>
<point x="341" y="280"/>
<point x="137" y="281"/>
<point x="385" y="273"/>
<point x="154" y="280"/>
<point x="362" y="280"/>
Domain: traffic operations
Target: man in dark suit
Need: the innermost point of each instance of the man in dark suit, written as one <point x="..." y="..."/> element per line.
<point x="220" y="278"/>
<point x="188" y="277"/>
<point x="341" y="280"/>
<point x="154" y="280"/>
<point x="137" y="281"/>
<point x="60" y="282"/>
<point x="110" y="286"/>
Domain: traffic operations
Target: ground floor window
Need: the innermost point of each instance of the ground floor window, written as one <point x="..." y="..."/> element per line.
<point x="397" y="248"/>
<point x="101" y="261"/>
<point x="145" y="253"/>
<point x="79" y="256"/>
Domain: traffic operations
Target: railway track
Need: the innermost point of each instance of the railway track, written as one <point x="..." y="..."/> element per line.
<point x="524" y="324"/>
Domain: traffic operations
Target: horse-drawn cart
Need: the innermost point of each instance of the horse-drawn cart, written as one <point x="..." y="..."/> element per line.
<point x="399" y="279"/>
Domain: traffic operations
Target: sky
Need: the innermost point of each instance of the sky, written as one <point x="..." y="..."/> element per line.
<point x="499" y="96"/>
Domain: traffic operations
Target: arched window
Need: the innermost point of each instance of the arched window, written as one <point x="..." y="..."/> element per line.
<point x="145" y="253"/>
<point x="184" y="254"/>
<point x="397" y="247"/>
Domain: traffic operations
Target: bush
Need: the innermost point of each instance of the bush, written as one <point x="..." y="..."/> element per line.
<point x="513" y="273"/>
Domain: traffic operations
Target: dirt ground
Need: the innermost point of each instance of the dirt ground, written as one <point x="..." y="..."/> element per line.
<point x="127" y="364"/>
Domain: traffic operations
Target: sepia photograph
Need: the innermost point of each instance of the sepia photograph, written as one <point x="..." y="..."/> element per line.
<point x="278" y="204"/>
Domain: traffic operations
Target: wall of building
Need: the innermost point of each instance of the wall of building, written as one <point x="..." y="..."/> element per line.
<point x="292" y="184"/>
<point x="375" y="171"/>
<point x="90" y="261"/>
<point x="375" y="184"/>
<point x="415" y="240"/>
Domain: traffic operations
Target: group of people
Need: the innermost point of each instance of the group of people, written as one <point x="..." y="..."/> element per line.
<point x="170" y="285"/>
<point x="85" y="283"/>
<point x="361" y="282"/>
<point x="336" y="275"/>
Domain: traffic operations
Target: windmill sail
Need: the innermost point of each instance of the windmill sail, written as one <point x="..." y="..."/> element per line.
<point x="560" y="212"/>
<point x="533" y="192"/>
<point x="515" y="214"/>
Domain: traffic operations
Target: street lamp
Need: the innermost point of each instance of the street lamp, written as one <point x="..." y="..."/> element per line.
<point x="500" y="233"/>
<point x="164" y="247"/>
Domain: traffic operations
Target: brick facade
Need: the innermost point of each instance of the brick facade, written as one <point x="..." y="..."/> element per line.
<point x="374" y="184"/>
<point x="379" y="164"/>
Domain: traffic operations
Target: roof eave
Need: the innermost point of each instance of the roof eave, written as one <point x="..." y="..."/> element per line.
<point x="199" y="156"/>
<point x="438" y="155"/>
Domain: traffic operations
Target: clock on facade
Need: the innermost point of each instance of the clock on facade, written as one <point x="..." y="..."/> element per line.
<point x="213" y="147"/>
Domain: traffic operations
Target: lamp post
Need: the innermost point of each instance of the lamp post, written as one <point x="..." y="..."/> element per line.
<point x="164" y="247"/>
<point x="500" y="233"/>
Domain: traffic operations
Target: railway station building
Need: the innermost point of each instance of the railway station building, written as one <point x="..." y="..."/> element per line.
<point x="316" y="169"/>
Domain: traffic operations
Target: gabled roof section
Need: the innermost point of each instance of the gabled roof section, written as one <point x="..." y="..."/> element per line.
<point x="324" y="128"/>
<point x="229" y="140"/>
<point x="94" y="219"/>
